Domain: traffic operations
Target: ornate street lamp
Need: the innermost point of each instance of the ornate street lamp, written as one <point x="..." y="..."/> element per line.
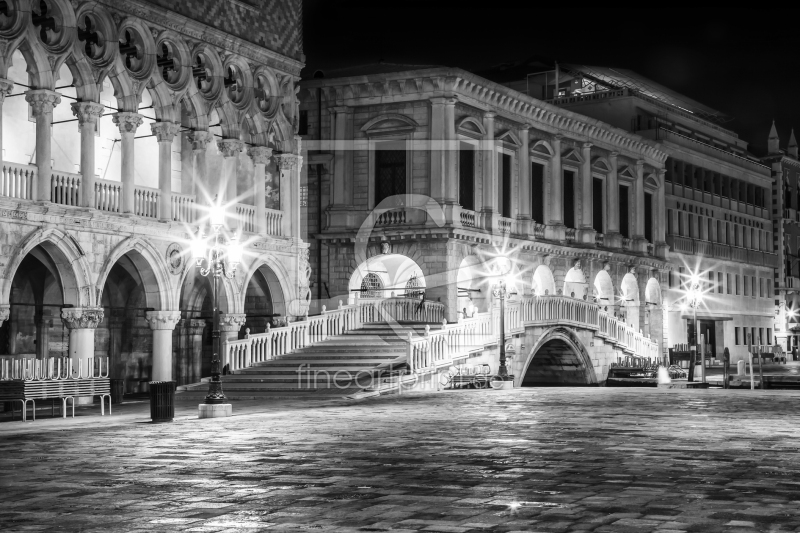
<point x="694" y="297"/>
<point x="501" y="291"/>
<point x="216" y="258"/>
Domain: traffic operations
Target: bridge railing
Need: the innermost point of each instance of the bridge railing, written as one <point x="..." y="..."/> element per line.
<point x="399" y="308"/>
<point x="452" y="342"/>
<point x="274" y="342"/>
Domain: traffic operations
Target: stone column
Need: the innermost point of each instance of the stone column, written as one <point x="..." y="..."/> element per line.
<point x="162" y="323"/>
<point x="660" y="227"/>
<point x="555" y="229"/>
<point x="228" y="190"/>
<point x="289" y="166"/>
<point x="587" y="207"/>
<point x="524" y="200"/>
<point x="342" y="187"/>
<point x="613" y="238"/>
<point x="200" y="141"/>
<point x="6" y="86"/>
<point x="165" y="133"/>
<point x="489" y="174"/>
<point x="437" y="153"/>
<point x="128" y="123"/>
<point x="229" y="326"/>
<point x="42" y="102"/>
<point x="260" y="156"/>
<point x="81" y="322"/>
<point x="451" y="155"/>
<point x="88" y="114"/>
<point x="192" y="352"/>
<point x="638" y="241"/>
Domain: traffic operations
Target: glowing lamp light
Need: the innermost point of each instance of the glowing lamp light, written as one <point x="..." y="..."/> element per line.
<point x="234" y="251"/>
<point x="216" y="215"/>
<point x="199" y="247"/>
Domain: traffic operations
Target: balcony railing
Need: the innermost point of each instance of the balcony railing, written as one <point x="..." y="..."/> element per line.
<point x="16" y="180"/>
<point x="687" y="245"/>
<point x="274" y="222"/>
<point x="183" y="208"/>
<point x="65" y="188"/>
<point x="107" y="195"/>
<point x="145" y="202"/>
<point x="395" y="217"/>
<point x="246" y="215"/>
<point x="469" y="219"/>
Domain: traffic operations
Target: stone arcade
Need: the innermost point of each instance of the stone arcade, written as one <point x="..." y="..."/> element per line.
<point x="122" y="122"/>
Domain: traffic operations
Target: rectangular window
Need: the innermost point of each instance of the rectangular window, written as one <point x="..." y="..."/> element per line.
<point x="719" y="283"/>
<point x="681" y="279"/>
<point x="711" y="230"/>
<point x="302" y="127"/>
<point x="569" y="198"/>
<point x="738" y="286"/>
<point x="648" y="216"/>
<point x="390" y="170"/>
<point x="597" y="205"/>
<point x="728" y="280"/>
<point x="769" y="336"/>
<point x="304" y="196"/>
<point x="466" y="176"/>
<point x="746" y="286"/>
<point x="681" y="225"/>
<point x="753" y="335"/>
<point x="736" y="336"/>
<point x="624" y="212"/>
<point x="753" y="287"/>
<point x="710" y="287"/>
<point x="537" y="192"/>
<point x="505" y="186"/>
<point x="760" y="288"/>
<point x="670" y="223"/>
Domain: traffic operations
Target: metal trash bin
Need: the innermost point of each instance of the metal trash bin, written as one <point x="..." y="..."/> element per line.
<point x="117" y="390"/>
<point x="162" y="401"/>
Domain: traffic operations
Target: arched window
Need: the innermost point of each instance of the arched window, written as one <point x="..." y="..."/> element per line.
<point x="414" y="288"/>
<point x="371" y="286"/>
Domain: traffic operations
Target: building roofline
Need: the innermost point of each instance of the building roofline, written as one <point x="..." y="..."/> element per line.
<point x="495" y="96"/>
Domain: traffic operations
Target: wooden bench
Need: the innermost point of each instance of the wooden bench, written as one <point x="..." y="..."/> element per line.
<point x="25" y="391"/>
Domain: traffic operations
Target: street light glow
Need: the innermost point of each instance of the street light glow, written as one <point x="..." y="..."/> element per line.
<point x="234" y="251"/>
<point x="199" y="247"/>
<point x="216" y="215"/>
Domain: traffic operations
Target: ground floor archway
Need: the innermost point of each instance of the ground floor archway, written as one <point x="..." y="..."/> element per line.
<point x="387" y="275"/>
<point x="264" y="302"/>
<point x="558" y="359"/>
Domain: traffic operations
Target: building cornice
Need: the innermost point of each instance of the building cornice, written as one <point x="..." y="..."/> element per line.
<point x="490" y="96"/>
<point x="192" y="30"/>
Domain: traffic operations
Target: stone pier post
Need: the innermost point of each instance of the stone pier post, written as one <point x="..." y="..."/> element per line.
<point x="165" y="133"/>
<point x="81" y="322"/>
<point x="229" y="326"/>
<point x="88" y="114"/>
<point x="128" y="123"/>
<point x="162" y="323"/>
<point x="42" y="102"/>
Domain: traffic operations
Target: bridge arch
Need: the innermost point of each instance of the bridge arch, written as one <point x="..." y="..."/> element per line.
<point x="558" y="358"/>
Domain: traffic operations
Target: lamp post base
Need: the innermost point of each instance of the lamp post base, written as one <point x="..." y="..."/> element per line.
<point x="214" y="410"/>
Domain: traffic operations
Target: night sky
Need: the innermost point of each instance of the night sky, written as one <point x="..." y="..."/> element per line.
<point x="741" y="62"/>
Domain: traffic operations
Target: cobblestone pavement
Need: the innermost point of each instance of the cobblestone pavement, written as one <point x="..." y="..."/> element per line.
<point x="581" y="459"/>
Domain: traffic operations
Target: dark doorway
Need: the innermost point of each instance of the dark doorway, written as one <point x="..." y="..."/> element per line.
<point x="708" y="329"/>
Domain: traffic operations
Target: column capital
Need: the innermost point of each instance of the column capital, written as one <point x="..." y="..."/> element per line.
<point x="162" y="319"/>
<point x="127" y="122"/>
<point x="260" y="154"/>
<point x="557" y="137"/>
<point x="288" y="161"/>
<point x="639" y="164"/>
<point x="42" y="100"/>
<point x="335" y="110"/>
<point x="82" y="317"/>
<point x="5" y="312"/>
<point x="524" y="127"/>
<point x="87" y="112"/>
<point x="586" y="145"/>
<point x="231" y="321"/>
<point x="200" y="140"/>
<point x="613" y="155"/>
<point x="230" y="147"/>
<point x="489" y="115"/>
<point x="165" y="131"/>
<point x="6" y="86"/>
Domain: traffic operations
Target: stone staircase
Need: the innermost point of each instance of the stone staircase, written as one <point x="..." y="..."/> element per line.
<point x="339" y="366"/>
